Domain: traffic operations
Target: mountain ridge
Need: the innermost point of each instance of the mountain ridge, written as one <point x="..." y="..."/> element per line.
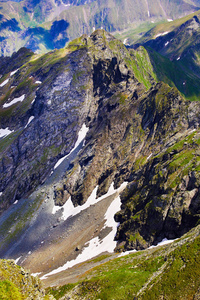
<point x="137" y="130"/>
<point x="51" y="25"/>
<point x="104" y="89"/>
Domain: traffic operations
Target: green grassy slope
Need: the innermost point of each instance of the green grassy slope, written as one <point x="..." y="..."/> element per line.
<point x="167" y="272"/>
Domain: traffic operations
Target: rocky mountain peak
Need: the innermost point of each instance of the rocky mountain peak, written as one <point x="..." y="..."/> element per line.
<point x="134" y="128"/>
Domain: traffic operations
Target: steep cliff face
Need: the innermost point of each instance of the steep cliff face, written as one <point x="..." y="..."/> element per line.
<point x="139" y="131"/>
<point x="44" y="109"/>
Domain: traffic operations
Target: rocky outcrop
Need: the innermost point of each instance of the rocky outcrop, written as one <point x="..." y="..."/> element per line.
<point x="16" y="283"/>
<point x="162" y="200"/>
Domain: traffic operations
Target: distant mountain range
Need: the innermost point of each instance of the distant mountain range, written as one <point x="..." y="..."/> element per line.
<point x="46" y="25"/>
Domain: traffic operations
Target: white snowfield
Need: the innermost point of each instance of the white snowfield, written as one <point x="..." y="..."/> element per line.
<point x="69" y="209"/>
<point x="15" y="100"/>
<point x="95" y="246"/>
<point x="38" y="82"/>
<point x="1" y="193"/>
<point x="4" y="82"/>
<point x="5" y="132"/>
<point x="81" y="136"/>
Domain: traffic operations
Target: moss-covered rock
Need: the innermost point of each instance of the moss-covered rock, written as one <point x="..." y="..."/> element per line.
<point x="18" y="284"/>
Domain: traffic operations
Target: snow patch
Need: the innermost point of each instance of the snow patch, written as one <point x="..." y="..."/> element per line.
<point x="162" y="243"/>
<point x="1" y="193"/>
<point x="16" y="201"/>
<point x="96" y="246"/>
<point x="15" y="100"/>
<point x="178" y="58"/>
<point x="69" y="209"/>
<point x="29" y="121"/>
<point x="5" y="132"/>
<point x="161" y="34"/>
<point x="81" y="136"/>
<point x="127" y="252"/>
<point x="4" y="82"/>
<point x="13" y="72"/>
<point x="165" y="242"/>
<point x="124" y="42"/>
<point x="66" y="4"/>
<point x="193" y="130"/>
<point x="169" y="20"/>
<point x="33" y="100"/>
<point x="166" y="43"/>
<point x="38" y="82"/>
<point x="149" y="156"/>
<point x="35" y="274"/>
<point x="16" y="260"/>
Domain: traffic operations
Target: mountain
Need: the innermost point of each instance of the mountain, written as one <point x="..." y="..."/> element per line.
<point x="174" y="50"/>
<point x="138" y="131"/>
<point x="88" y="133"/>
<point x="46" y="25"/>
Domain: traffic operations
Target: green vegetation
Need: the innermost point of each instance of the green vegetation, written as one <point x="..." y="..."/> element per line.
<point x="181" y="277"/>
<point x="8" y="140"/>
<point x="175" y="74"/>
<point x="59" y="292"/>
<point x="144" y="128"/>
<point x="18" y="284"/>
<point x="170" y="271"/>
<point x="141" y="65"/>
<point x="134" y="32"/>
<point x="8" y="291"/>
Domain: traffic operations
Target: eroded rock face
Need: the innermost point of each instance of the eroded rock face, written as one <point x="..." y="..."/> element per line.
<point x="58" y="99"/>
<point x="160" y="202"/>
<point x="137" y="135"/>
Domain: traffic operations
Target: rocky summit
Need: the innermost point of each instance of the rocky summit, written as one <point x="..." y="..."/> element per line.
<point x="83" y="119"/>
